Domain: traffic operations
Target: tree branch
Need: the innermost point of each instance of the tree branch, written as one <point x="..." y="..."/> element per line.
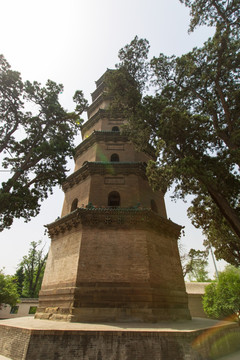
<point x="225" y="208"/>
<point x="219" y="11"/>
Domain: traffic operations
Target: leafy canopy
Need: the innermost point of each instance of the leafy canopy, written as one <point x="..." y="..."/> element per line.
<point x="36" y="137"/>
<point x="8" y="290"/>
<point x="222" y="297"/>
<point x="213" y="12"/>
<point x="29" y="274"/>
<point x="192" y="121"/>
<point x="195" y="264"/>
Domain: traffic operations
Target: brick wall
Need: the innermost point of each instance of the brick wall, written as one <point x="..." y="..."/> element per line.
<point x="19" y="344"/>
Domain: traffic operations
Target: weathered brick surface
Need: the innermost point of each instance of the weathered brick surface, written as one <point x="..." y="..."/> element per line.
<point x="63" y="260"/>
<point x="117" y="345"/>
<point x="95" y="189"/>
<point x="14" y="342"/>
<point x="93" y="109"/>
<point x="106" y="346"/>
<point x="106" y="269"/>
<point x="89" y="155"/>
<point x="80" y="192"/>
<point x="113" y="273"/>
<point x="102" y="152"/>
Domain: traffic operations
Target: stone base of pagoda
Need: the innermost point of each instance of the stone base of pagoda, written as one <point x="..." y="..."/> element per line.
<point x="112" y="303"/>
<point x="113" y="265"/>
<point x="199" y="339"/>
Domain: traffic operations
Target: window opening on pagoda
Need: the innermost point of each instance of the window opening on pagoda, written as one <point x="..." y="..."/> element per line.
<point x="115" y="128"/>
<point x="114" y="199"/>
<point x="74" y="205"/>
<point x="114" y="158"/>
<point x="154" y="206"/>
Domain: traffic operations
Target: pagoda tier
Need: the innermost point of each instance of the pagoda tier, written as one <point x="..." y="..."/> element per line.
<point x="111" y="140"/>
<point x="98" y="180"/>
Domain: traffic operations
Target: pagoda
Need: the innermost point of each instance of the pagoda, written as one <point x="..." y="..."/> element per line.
<point x="114" y="254"/>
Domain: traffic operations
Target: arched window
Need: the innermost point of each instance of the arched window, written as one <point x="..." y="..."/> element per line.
<point x="74" y="205"/>
<point x="114" y="157"/>
<point x="114" y="199"/>
<point x="115" y="128"/>
<point x="154" y="206"/>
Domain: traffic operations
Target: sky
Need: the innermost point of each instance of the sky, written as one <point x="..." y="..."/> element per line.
<point x="73" y="42"/>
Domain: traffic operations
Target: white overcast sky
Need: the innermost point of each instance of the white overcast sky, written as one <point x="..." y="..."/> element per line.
<point x="73" y="42"/>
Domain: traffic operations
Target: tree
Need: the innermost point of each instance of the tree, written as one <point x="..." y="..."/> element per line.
<point x="8" y="290"/>
<point x="194" y="265"/>
<point x="30" y="271"/>
<point x="192" y="121"/>
<point x="218" y="233"/>
<point x="222" y="297"/>
<point x="212" y="12"/>
<point x="34" y="144"/>
<point x="19" y="276"/>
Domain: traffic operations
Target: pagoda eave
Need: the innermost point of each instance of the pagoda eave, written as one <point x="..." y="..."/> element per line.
<point x="100" y="217"/>
<point x="94" y="119"/>
<point x="104" y="168"/>
<point x="97" y="136"/>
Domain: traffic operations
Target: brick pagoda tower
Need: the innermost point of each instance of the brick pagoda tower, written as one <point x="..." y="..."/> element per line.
<point x="114" y="254"/>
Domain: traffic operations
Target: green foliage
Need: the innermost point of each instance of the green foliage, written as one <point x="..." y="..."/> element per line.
<point x="192" y="121"/>
<point x="222" y="297"/>
<point x="212" y="13"/>
<point x="195" y="266"/>
<point x="8" y="289"/>
<point x="30" y="271"/>
<point x="32" y="309"/>
<point x="207" y="216"/>
<point x="134" y="58"/>
<point x="34" y="144"/>
<point x="19" y="276"/>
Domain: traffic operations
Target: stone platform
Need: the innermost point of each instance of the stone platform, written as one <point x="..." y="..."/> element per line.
<point x="198" y="339"/>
